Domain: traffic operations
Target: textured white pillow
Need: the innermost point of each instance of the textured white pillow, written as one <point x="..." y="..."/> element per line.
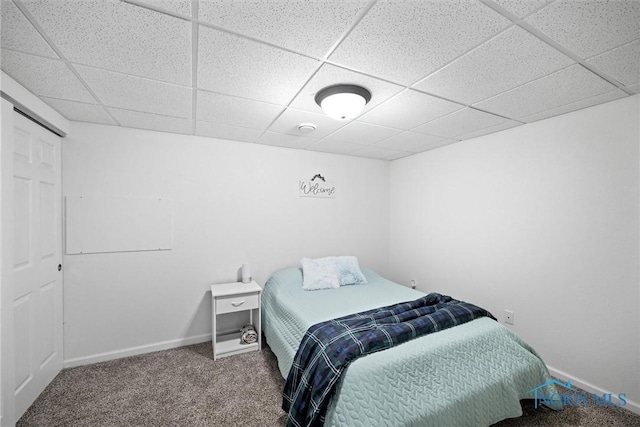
<point x="349" y="272"/>
<point x="320" y="273"/>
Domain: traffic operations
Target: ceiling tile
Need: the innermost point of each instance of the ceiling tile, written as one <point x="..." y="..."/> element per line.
<point x="509" y="60"/>
<point x="409" y="109"/>
<point x="236" y="66"/>
<point x="591" y="27"/>
<point x="230" y="110"/>
<point x="180" y="7"/>
<point x="521" y="8"/>
<point x="392" y="41"/>
<point x="80" y="112"/>
<point x="440" y="144"/>
<point x="375" y="152"/>
<point x="623" y="63"/>
<point x="335" y="147"/>
<point x="289" y="120"/>
<point x="122" y="37"/>
<point x="459" y="123"/>
<point x="135" y="119"/>
<point x="45" y="77"/>
<point x="362" y="133"/>
<point x="563" y="87"/>
<point x="18" y="33"/>
<point x="307" y="27"/>
<point x="135" y="93"/>
<point x="399" y="155"/>
<point x="283" y="140"/>
<point x="634" y="88"/>
<point x="329" y="75"/>
<point x="583" y="103"/>
<point x="234" y="133"/>
<point x="491" y="129"/>
<point x="409" y="141"/>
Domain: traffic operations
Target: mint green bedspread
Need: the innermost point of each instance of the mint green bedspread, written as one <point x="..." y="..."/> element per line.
<point x="471" y="375"/>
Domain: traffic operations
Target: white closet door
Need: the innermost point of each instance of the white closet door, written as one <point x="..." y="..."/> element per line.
<point x="37" y="253"/>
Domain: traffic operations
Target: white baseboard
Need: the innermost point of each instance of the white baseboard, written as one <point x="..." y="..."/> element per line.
<point x="586" y="386"/>
<point x="134" y="351"/>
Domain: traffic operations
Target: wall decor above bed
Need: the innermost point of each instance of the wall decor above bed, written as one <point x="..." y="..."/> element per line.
<point x="318" y="187"/>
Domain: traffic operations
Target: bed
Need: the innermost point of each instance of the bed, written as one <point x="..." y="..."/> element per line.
<point x="470" y="375"/>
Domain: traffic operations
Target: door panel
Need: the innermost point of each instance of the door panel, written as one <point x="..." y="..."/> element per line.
<point x="47" y="220"/>
<point x="47" y="322"/>
<point x="21" y="223"/>
<point x="22" y="340"/>
<point x="22" y="145"/>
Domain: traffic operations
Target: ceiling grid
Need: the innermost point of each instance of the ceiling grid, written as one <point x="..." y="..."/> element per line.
<point x="439" y="72"/>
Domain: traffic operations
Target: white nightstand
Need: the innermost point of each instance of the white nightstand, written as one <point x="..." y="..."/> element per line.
<point x="229" y="298"/>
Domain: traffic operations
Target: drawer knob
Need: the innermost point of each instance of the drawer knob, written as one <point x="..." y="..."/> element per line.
<point x="237" y="304"/>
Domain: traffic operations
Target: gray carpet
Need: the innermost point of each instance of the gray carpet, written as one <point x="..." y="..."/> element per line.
<point x="186" y="387"/>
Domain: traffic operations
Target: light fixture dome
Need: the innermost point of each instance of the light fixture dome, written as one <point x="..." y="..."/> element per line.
<point x="343" y="102"/>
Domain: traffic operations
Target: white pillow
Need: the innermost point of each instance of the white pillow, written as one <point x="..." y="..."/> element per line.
<point x="349" y="272"/>
<point x="320" y="273"/>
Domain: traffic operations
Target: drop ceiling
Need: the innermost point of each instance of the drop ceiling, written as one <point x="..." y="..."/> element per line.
<point x="439" y="71"/>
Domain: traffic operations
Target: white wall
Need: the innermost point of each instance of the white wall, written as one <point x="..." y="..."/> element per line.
<point x="233" y="202"/>
<point x="542" y="219"/>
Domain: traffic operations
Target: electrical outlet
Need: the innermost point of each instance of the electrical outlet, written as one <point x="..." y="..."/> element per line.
<point x="413" y="284"/>
<point x="509" y="317"/>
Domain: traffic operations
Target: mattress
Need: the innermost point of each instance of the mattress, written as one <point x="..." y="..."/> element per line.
<point x="470" y="375"/>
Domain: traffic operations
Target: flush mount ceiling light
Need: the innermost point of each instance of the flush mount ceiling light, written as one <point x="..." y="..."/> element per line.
<point x="343" y="102"/>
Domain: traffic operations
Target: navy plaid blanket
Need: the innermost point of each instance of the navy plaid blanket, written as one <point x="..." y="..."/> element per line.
<point x="328" y="347"/>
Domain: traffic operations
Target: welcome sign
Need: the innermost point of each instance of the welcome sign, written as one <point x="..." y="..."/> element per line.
<point x="317" y="187"/>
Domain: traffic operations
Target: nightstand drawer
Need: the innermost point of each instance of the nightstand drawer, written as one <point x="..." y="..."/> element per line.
<point x="236" y="303"/>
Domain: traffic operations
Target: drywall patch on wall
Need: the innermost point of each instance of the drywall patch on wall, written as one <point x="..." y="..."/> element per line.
<point x="101" y="223"/>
